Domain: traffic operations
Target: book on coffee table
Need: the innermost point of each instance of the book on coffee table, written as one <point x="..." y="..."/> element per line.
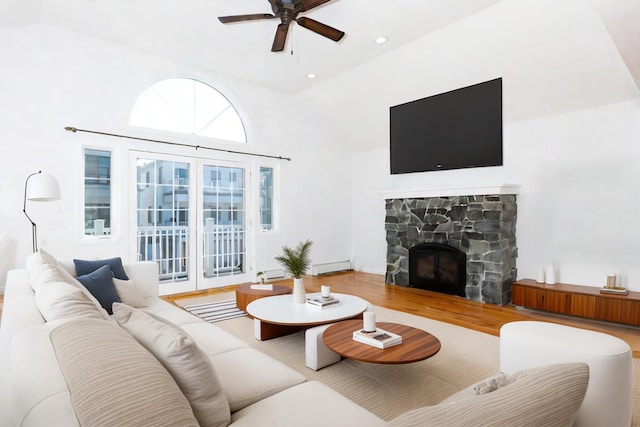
<point x="318" y="301"/>
<point x="262" y="287"/>
<point x="380" y="338"/>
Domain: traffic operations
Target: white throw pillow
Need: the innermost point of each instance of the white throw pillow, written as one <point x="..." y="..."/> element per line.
<point x="185" y="361"/>
<point x="40" y="263"/>
<point x="60" y="300"/>
<point x="44" y="270"/>
<point x="129" y="293"/>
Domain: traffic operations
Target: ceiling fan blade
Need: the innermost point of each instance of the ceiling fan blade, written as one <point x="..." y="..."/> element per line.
<point x="310" y="4"/>
<point x="320" y="28"/>
<point x="252" y="17"/>
<point x="280" y="39"/>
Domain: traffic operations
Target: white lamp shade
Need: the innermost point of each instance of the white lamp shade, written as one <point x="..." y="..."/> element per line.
<point x="43" y="187"/>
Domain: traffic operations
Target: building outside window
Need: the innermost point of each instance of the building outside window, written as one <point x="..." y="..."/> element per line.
<point x="97" y="192"/>
<point x="266" y="198"/>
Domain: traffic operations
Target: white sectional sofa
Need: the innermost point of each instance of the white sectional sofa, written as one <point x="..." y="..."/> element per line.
<point x="65" y="362"/>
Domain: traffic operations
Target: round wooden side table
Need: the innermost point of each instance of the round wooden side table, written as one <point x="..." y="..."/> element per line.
<point x="245" y="295"/>
<point x="416" y="344"/>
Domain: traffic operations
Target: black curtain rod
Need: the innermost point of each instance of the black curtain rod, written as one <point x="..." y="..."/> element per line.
<point x="158" y="141"/>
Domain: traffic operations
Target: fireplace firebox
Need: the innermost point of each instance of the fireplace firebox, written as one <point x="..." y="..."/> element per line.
<point x="438" y="267"/>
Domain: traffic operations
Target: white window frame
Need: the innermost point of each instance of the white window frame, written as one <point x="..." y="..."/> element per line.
<point x="177" y="111"/>
<point x="275" y="198"/>
<point x="88" y="238"/>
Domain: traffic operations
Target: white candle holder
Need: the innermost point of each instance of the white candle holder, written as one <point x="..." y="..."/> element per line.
<point x="369" y="321"/>
<point x="325" y="291"/>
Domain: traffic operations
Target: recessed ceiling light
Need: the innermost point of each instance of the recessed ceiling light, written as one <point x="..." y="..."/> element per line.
<point x="381" y="40"/>
<point x="311" y="76"/>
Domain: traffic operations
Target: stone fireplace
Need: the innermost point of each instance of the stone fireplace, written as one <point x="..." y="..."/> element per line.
<point x="481" y="226"/>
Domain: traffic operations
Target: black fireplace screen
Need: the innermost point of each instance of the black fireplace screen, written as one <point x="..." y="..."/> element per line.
<point x="437" y="267"/>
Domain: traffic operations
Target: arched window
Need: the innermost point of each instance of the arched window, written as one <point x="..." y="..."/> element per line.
<point x="188" y="106"/>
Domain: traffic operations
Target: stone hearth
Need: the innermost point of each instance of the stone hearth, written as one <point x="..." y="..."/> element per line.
<point x="481" y="226"/>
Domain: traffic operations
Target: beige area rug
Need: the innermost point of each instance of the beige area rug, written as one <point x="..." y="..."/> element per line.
<point x="466" y="357"/>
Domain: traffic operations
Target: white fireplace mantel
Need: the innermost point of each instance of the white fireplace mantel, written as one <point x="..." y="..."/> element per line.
<point x="444" y="192"/>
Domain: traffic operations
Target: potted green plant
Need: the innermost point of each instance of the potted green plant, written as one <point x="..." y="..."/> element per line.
<point x="295" y="262"/>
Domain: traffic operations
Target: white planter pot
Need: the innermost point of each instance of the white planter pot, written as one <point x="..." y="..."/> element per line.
<point x="550" y="275"/>
<point x="298" y="291"/>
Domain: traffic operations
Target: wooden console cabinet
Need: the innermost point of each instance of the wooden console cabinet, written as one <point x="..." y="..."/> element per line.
<point x="575" y="300"/>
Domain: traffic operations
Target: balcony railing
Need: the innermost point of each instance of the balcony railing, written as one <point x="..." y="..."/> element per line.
<point x="223" y="250"/>
<point x="168" y="246"/>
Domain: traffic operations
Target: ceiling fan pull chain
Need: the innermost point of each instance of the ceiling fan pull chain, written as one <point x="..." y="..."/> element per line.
<point x="292" y="38"/>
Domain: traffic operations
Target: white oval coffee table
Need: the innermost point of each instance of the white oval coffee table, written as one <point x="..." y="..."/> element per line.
<point x="279" y="315"/>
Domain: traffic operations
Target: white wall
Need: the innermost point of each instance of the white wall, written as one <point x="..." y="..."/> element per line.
<point x="577" y="205"/>
<point x="579" y="198"/>
<point x="52" y="79"/>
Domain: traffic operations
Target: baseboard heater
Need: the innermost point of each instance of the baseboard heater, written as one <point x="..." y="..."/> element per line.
<point x="276" y="274"/>
<point x="330" y="267"/>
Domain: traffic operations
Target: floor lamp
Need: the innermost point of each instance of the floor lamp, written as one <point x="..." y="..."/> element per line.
<point x="39" y="187"/>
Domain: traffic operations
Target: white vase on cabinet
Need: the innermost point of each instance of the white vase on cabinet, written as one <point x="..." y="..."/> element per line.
<point x="550" y="275"/>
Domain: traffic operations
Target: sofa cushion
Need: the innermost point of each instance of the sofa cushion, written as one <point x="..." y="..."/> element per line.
<point x="129" y="293"/>
<point x="248" y="376"/>
<point x="100" y="284"/>
<point x="87" y="266"/>
<point x="125" y="385"/>
<point x="213" y="339"/>
<point x="60" y="300"/>
<point x="44" y="269"/>
<point x="311" y="404"/>
<point x="547" y="396"/>
<point x="37" y="263"/>
<point x="182" y="357"/>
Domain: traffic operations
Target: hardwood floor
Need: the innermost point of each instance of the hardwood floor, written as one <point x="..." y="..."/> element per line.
<point x="486" y="318"/>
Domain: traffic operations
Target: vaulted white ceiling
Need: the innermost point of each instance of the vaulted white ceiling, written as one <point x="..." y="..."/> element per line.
<point x="188" y="31"/>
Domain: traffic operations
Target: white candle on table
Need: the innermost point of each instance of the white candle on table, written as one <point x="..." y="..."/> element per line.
<point x="369" y="318"/>
<point x="325" y="290"/>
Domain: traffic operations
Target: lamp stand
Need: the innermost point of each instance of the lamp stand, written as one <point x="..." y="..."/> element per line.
<point x="34" y="231"/>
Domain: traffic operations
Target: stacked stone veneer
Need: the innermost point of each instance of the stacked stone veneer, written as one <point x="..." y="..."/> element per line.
<point x="483" y="227"/>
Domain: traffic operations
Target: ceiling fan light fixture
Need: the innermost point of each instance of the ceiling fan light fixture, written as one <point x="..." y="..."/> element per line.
<point x="381" y="40"/>
<point x="311" y="76"/>
<point x="287" y="11"/>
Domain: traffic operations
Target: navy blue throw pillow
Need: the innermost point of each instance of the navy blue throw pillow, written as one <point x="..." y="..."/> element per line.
<point x="100" y="284"/>
<point x="87" y="266"/>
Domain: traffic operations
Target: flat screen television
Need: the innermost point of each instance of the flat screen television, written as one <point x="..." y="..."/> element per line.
<point x="452" y="130"/>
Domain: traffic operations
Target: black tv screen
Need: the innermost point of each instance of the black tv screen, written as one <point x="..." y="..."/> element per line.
<point x="453" y="130"/>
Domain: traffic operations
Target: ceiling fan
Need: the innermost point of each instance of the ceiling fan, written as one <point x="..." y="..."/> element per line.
<point x="287" y="11"/>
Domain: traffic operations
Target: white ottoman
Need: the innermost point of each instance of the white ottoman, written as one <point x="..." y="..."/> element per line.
<point x="318" y="355"/>
<point x="608" y="401"/>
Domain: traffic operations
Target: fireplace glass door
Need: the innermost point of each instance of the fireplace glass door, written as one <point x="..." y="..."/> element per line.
<point x="437" y="267"/>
